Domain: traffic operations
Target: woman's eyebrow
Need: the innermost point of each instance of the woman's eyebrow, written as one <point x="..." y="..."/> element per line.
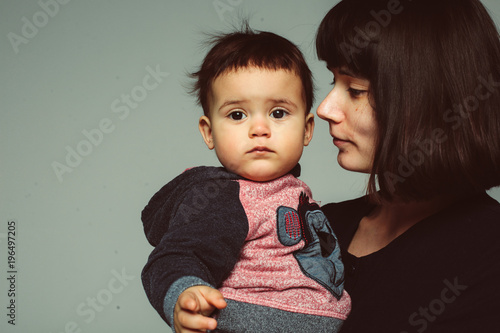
<point x="347" y="71"/>
<point x="342" y="71"/>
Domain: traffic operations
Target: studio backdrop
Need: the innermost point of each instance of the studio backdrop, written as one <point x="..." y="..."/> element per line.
<point x="95" y="118"/>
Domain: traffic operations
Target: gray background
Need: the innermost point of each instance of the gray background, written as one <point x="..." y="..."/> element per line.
<point x="77" y="231"/>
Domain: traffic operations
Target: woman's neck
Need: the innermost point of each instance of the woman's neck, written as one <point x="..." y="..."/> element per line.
<point x="390" y="220"/>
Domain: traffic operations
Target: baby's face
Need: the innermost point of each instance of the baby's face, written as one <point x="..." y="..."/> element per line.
<point x="258" y="123"/>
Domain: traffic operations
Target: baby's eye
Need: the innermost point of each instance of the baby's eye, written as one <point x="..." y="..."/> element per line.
<point x="278" y="113"/>
<point x="237" y="115"/>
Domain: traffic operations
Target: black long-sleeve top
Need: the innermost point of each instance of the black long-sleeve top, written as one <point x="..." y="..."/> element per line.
<point x="441" y="275"/>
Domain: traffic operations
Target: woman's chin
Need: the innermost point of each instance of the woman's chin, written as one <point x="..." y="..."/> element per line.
<point x="354" y="165"/>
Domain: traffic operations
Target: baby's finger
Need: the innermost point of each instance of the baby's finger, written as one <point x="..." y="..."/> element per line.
<point x="189" y="301"/>
<point x="194" y="322"/>
<point x="214" y="299"/>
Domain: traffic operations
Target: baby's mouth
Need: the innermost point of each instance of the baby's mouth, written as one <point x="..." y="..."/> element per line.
<point x="260" y="149"/>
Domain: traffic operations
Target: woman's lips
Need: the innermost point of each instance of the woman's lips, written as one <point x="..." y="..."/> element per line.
<point x="339" y="142"/>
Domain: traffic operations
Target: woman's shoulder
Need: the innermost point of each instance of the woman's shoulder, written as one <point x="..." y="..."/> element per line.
<point x="479" y="207"/>
<point x="344" y="217"/>
<point x="491" y="206"/>
<point x="348" y="209"/>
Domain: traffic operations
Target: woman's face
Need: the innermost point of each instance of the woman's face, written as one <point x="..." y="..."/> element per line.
<point x="352" y="120"/>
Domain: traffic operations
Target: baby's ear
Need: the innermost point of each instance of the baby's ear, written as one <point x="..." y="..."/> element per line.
<point x="205" y="128"/>
<point x="309" y="128"/>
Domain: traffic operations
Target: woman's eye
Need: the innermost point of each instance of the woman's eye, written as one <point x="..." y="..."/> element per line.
<point x="278" y="114"/>
<point x="237" y="115"/>
<point x="355" y="92"/>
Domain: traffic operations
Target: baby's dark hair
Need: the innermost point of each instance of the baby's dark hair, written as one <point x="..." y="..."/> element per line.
<point x="245" y="48"/>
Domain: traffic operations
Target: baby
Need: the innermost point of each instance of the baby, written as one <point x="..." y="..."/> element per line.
<point x="243" y="247"/>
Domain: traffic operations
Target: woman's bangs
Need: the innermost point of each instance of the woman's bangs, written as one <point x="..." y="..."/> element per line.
<point x="339" y="43"/>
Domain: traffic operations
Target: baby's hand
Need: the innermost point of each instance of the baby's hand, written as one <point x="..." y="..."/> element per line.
<point x="193" y="308"/>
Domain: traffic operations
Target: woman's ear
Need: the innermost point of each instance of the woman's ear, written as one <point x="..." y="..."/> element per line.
<point x="205" y="128"/>
<point x="309" y="128"/>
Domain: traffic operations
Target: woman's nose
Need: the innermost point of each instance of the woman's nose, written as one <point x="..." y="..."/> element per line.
<point x="331" y="108"/>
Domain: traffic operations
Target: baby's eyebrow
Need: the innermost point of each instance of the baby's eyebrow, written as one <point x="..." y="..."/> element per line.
<point x="231" y="102"/>
<point x="273" y="100"/>
<point x="283" y="101"/>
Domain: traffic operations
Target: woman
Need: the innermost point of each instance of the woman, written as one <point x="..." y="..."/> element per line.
<point x="416" y="104"/>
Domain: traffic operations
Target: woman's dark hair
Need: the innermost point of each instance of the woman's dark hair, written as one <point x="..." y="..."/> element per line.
<point x="245" y="48"/>
<point x="434" y="73"/>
